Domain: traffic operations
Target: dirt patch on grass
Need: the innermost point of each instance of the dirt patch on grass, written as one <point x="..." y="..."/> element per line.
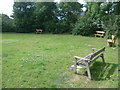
<point x="78" y="77"/>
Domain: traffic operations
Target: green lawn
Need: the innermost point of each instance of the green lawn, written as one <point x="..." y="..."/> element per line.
<point x="44" y="61"/>
<point x="0" y="60"/>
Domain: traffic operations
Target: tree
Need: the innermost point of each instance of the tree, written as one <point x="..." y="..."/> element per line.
<point x="85" y="26"/>
<point x="116" y="7"/>
<point x="104" y="13"/>
<point x="24" y="16"/>
<point x="100" y="11"/>
<point x="7" y="23"/>
<point x="68" y="13"/>
<point x="45" y="16"/>
<point x="94" y="11"/>
<point x="112" y="26"/>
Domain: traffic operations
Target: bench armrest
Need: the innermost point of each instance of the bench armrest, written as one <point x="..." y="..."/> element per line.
<point x="76" y="57"/>
<point x="80" y="58"/>
<point x="94" y="49"/>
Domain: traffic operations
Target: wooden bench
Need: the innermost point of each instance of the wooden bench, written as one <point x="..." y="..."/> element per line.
<point x="80" y="62"/>
<point x="111" y="42"/>
<point x="100" y="33"/>
<point x="39" y="31"/>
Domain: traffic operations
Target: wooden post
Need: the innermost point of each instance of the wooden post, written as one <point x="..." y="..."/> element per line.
<point x="88" y="71"/>
<point x="75" y="65"/>
<point x="93" y="49"/>
<point x="103" y="60"/>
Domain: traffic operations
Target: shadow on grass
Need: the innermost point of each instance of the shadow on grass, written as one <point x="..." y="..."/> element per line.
<point x="100" y="71"/>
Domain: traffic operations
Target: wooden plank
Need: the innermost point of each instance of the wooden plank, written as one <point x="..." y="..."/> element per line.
<point x="102" y="32"/>
<point x="99" y="35"/>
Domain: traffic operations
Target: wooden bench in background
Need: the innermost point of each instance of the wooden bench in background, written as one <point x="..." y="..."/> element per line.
<point x="100" y="33"/>
<point x="111" y="42"/>
<point x="39" y="31"/>
<point x="80" y="62"/>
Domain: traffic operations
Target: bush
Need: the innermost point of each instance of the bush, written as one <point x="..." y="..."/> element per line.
<point x="85" y="26"/>
<point x="62" y="27"/>
<point x="49" y="26"/>
<point x="7" y="24"/>
<point x="112" y="26"/>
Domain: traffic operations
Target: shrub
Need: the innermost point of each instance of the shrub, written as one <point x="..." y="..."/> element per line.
<point x="85" y="26"/>
<point x="112" y="26"/>
<point x="7" y="23"/>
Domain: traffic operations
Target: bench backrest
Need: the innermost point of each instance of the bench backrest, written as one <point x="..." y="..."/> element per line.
<point x="102" y="32"/>
<point x="97" y="54"/>
<point x="39" y="30"/>
<point x="113" y="38"/>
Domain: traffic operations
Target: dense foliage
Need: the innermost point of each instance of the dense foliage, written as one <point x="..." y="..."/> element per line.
<point x="24" y="16"/>
<point x="7" y="23"/>
<point x="64" y="17"/>
<point x="106" y="13"/>
<point x="85" y="26"/>
<point x="112" y="26"/>
<point x="68" y="13"/>
<point x="45" y="16"/>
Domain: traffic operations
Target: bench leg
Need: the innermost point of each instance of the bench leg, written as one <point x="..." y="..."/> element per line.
<point x="103" y="60"/>
<point x="75" y="66"/>
<point x="88" y="71"/>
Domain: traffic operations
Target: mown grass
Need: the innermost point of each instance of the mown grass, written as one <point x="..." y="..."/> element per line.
<point x="44" y="61"/>
<point x="0" y="60"/>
